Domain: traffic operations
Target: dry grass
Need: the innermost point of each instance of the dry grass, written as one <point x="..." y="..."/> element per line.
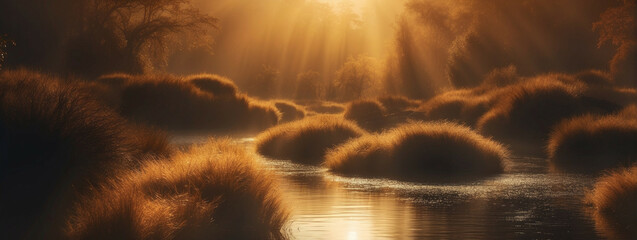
<point x="216" y="85"/>
<point x="214" y="191"/>
<point x="397" y="104"/>
<point x="502" y="77"/>
<point x="615" y="200"/>
<point x="465" y="108"/>
<point x="526" y="113"/>
<point x="289" y="111"/>
<point x="56" y="141"/>
<point x="114" y="79"/>
<point x="419" y="150"/>
<point x="171" y="103"/>
<point x="306" y="141"/>
<point x="595" y="78"/>
<point x="147" y="141"/>
<point x="369" y="114"/>
<point x="322" y="107"/>
<point x="594" y="143"/>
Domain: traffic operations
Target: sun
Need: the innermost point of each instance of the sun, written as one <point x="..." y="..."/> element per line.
<point x="355" y="5"/>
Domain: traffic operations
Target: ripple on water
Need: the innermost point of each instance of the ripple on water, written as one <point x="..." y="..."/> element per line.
<point x="526" y="202"/>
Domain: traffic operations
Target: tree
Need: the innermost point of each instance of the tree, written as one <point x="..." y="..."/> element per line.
<point x="135" y="35"/>
<point x="357" y="77"/>
<point x="308" y="85"/>
<point x="619" y="27"/>
<point x="265" y="82"/>
<point x="4" y="44"/>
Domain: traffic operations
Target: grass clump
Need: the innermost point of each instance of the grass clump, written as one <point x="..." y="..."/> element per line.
<point x="170" y="103"/>
<point x="323" y="107"/>
<point x="594" y="143"/>
<point x="306" y="141"/>
<point x="465" y="108"/>
<point x="420" y="150"/>
<point x="214" y="191"/>
<point x="397" y="104"/>
<point x="369" y="114"/>
<point x="615" y="200"/>
<point x="55" y="142"/>
<point x="214" y="84"/>
<point x="526" y="114"/>
<point x="289" y="111"/>
<point x="595" y="78"/>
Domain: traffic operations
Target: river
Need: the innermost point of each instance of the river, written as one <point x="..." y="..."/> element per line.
<point x="526" y="202"/>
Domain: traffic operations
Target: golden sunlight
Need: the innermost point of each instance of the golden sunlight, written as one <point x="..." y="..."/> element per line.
<point x="318" y="119"/>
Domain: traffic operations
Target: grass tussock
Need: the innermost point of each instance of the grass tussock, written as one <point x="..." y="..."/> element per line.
<point x="419" y="150"/>
<point x="595" y="78"/>
<point x="289" y="111"/>
<point x="306" y="141"/>
<point x="459" y="106"/>
<point x="502" y="77"/>
<point x="397" y="104"/>
<point x="56" y="141"/>
<point x="369" y="114"/>
<point x="171" y="103"/>
<point x="114" y="79"/>
<point x="526" y="113"/>
<point x="323" y="107"/>
<point x="215" y="190"/>
<point x="216" y="85"/>
<point x="594" y="143"/>
<point x="614" y="198"/>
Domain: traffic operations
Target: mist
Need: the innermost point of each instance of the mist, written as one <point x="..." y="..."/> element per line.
<point x="318" y="119"/>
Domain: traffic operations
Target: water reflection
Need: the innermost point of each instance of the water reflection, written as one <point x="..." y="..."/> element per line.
<point x="526" y="202"/>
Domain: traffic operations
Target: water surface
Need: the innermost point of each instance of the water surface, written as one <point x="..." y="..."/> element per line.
<point x="526" y="202"/>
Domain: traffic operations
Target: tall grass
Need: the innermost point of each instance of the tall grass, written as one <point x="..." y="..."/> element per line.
<point x="419" y="150"/>
<point x="397" y="104"/>
<point x="322" y="107"/>
<point x="214" y="84"/>
<point x="595" y="78"/>
<point x="369" y="114"/>
<point x="56" y="141"/>
<point x="614" y="198"/>
<point x="214" y="191"/>
<point x="306" y="141"/>
<point x="172" y="103"/>
<point x="290" y="111"/>
<point x="594" y="143"/>
<point x="525" y="115"/>
<point x="460" y="106"/>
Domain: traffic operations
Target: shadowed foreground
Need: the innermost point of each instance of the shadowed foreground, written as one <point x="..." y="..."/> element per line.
<point x="215" y="190"/>
<point x="55" y="142"/>
<point x="615" y="200"/>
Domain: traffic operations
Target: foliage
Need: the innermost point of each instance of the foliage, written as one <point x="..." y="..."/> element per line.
<point x="355" y="79"/>
<point x="135" y="35"/>
<point x="4" y="44"/>
<point x="309" y="86"/>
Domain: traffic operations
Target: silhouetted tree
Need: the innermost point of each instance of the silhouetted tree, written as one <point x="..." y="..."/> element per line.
<point x="618" y="26"/>
<point x="134" y="35"/>
<point x="4" y="44"/>
<point x="264" y="84"/>
<point x="472" y="57"/>
<point x="309" y="85"/>
<point x="356" y="77"/>
<point x="407" y="62"/>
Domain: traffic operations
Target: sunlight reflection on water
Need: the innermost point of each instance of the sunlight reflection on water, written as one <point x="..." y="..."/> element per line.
<point x="526" y="202"/>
